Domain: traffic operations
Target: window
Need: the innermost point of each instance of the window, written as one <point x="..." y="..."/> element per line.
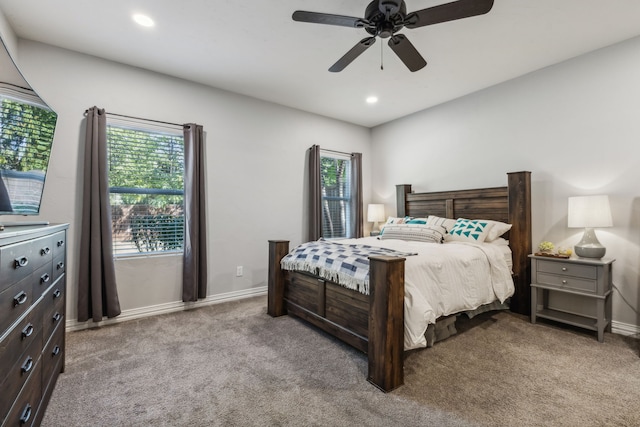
<point x="146" y="185"/>
<point x="335" y="181"/>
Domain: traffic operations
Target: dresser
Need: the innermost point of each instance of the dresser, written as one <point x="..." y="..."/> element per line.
<point x="32" y="317"/>
<point x="575" y="291"/>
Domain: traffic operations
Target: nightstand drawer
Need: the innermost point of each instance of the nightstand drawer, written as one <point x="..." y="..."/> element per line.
<point x="568" y="269"/>
<point x="567" y="282"/>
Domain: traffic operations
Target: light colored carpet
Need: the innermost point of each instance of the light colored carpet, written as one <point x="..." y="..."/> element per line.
<point x="232" y="365"/>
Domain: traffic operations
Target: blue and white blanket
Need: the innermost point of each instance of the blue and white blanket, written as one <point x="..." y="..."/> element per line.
<point x="342" y="263"/>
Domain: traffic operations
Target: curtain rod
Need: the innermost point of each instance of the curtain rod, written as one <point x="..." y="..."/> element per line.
<point x="147" y="120"/>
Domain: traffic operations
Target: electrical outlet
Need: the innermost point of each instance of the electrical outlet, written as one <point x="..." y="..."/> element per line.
<point x="239" y="271"/>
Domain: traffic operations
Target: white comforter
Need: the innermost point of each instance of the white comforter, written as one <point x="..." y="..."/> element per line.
<point x="446" y="278"/>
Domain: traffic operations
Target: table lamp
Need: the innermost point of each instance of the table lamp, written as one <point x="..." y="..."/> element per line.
<point x="589" y="212"/>
<point x="375" y="214"/>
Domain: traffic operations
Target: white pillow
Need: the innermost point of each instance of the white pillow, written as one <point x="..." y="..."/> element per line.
<point x="414" y="232"/>
<point x="447" y="223"/>
<point x="498" y="229"/>
<point x="468" y="230"/>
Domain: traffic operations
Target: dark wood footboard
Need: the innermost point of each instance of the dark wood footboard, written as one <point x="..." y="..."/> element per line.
<point x="371" y="323"/>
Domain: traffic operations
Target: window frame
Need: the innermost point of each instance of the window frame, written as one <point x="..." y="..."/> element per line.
<point x="141" y="125"/>
<point x="347" y="225"/>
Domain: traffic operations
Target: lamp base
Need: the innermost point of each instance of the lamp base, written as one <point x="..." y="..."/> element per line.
<point x="589" y="246"/>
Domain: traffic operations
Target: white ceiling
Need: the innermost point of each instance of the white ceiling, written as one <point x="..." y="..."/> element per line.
<point x="253" y="47"/>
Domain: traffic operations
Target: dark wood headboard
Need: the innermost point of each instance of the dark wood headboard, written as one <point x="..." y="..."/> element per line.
<point x="510" y="204"/>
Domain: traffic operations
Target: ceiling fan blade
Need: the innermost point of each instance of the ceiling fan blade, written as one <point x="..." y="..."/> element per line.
<point x="355" y="51"/>
<point x="407" y="53"/>
<point x="328" y="19"/>
<point x="447" y="12"/>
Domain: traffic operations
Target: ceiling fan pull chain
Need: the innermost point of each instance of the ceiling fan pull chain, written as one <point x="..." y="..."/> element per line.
<point x="381" y="57"/>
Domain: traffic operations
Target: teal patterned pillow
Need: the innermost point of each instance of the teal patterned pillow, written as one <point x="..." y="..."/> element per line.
<point x="467" y="230"/>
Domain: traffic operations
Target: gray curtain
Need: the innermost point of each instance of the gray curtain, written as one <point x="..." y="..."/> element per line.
<point x="315" y="194"/>
<point x="97" y="291"/>
<point x="356" y="190"/>
<point x="194" y="273"/>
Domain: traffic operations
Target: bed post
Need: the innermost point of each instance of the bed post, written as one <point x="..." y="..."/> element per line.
<point x="275" y="303"/>
<point x="386" y="322"/>
<point x="401" y="198"/>
<point x="519" y="187"/>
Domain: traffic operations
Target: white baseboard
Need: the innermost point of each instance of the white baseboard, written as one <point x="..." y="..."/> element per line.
<point x="137" y="313"/>
<point x="624" y="328"/>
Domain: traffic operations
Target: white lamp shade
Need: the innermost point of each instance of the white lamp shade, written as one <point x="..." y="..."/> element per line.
<point x="375" y="213"/>
<point x="589" y="212"/>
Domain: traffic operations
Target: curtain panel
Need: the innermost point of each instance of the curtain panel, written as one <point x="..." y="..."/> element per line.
<point x="315" y="194"/>
<point x="357" y="218"/>
<point x="194" y="273"/>
<point x="97" y="290"/>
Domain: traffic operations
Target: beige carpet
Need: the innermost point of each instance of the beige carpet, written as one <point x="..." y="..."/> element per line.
<point x="232" y="365"/>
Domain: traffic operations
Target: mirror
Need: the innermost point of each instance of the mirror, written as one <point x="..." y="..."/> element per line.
<point x="27" y="126"/>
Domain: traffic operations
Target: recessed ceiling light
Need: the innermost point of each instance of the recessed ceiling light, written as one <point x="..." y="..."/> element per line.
<point x="372" y="100"/>
<point x="143" y="20"/>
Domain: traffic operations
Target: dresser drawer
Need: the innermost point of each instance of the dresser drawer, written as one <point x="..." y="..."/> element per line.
<point x="567" y="282"/>
<point x="59" y="266"/>
<point x="568" y="269"/>
<point x="18" y="374"/>
<point x="59" y="243"/>
<point x="17" y="262"/>
<point x="52" y="355"/>
<point x="53" y="314"/>
<point x="42" y="280"/>
<point x="14" y="301"/>
<point x="21" y="337"/>
<point x="26" y="405"/>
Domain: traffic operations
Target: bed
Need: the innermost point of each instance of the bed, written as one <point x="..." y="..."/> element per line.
<point x="375" y="322"/>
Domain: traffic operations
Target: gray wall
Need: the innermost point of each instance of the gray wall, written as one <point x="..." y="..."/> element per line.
<point x="255" y="164"/>
<point x="575" y="126"/>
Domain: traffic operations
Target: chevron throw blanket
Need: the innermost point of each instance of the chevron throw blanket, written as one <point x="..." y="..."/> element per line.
<point x="347" y="265"/>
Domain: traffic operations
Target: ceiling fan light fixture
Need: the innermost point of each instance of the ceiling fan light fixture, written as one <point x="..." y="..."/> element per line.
<point x="372" y="99"/>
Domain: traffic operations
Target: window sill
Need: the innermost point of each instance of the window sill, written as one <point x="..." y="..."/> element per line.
<point x="126" y="257"/>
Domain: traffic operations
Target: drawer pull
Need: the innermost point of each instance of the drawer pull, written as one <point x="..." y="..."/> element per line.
<point x="57" y="293"/>
<point x="26" y="414"/>
<point x="27" y="365"/>
<point x="21" y="262"/>
<point x="564" y="268"/>
<point x="20" y="299"/>
<point x="44" y="278"/>
<point x="60" y="243"/>
<point x="45" y="251"/>
<point x="60" y="265"/>
<point x="56" y="317"/>
<point x="27" y="331"/>
<point x="564" y="282"/>
<point x="56" y="351"/>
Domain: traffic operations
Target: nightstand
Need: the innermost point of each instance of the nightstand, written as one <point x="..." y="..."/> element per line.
<point x="583" y="287"/>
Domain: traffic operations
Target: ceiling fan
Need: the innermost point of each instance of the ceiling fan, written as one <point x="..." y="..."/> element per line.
<point x="384" y="18"/>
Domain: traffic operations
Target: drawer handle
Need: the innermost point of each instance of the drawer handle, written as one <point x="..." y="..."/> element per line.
<point x="45" y="251"/>
<point x="26" y="414"/>
<point x="60" y="265"/>
<point x="564" y="268"/>
<point x="44" y="278"/>
<point x="20" y="299"/>
<point x="56" y="317"/>
<point x="60" y="243"/>
<point x="56" y="351"/>
<point x="27" y="331"/>
<point x="27" y="365"/>
<point x="21" y="262"/>
<point x="57" y="293"/>
<point x="564" y="282"/>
